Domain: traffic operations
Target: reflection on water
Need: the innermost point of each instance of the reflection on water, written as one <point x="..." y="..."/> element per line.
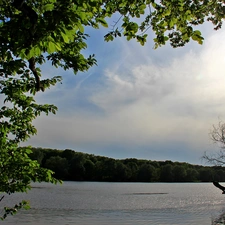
<point x="152" y="193"/>
<point x="86" y="203"/>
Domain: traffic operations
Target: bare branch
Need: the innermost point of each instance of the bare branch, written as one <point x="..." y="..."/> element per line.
<point x="2" y="197"/>
<point x="116" y="22"/>
<point x="217" y="135"/>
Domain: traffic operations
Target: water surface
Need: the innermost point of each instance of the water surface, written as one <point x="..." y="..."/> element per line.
<point x="94" y="203"/>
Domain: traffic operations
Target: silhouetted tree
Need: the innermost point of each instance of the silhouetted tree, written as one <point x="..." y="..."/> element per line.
<point x="59" y="165"/>
<point x="179" y="173"/>
<point x="166" y="173"/>
<point x="146" y="173"/>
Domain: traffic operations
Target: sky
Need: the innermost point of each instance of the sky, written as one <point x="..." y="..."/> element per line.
<point x="139" y="102"/>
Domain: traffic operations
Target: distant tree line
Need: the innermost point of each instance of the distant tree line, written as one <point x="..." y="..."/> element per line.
<point x="76" y="166"/>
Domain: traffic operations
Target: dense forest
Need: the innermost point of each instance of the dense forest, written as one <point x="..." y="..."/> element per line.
<point x="76" y="166"/>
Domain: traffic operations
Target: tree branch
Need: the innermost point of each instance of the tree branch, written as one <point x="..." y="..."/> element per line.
<point x="34" y="71"/>
<point x="33" y="17"/>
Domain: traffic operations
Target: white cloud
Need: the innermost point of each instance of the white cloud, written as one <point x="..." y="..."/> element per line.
<point x="147" y="101"/>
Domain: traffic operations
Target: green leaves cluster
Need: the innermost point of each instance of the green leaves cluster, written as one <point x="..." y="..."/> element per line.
<point x="16" y="115"/>
<point x="13" y="210"/>
<point x="171" y="21"/>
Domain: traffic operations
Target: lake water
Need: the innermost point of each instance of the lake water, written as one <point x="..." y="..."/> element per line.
<point x="94" y="203"/>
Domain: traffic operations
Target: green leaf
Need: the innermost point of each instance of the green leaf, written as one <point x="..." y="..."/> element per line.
<point x="108" y="37"/>
<point x="102" y="22"/>
<point x="142" y="7"/>
<point x="65" y="37"/>
<point x="83" y="16"/>
<point x="48" y="7"/>
<point x="197" y="38"/>
<point x="51" y="47"/>
<point x="133" y="27"/>
<point x="172" y="22"/>
<point x="80" y="27"/>
<point x="58" y="46"/>
<point x="197" y="32"/>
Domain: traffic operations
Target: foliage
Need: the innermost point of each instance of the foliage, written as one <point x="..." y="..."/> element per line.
<point x="172" y="20"/>
<point x="16" y="167"/>
<point x="13" y="210"/>
<point x="53" y="31"/>
<point x="79" y="166"/>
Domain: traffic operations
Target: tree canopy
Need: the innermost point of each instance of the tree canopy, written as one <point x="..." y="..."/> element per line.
<point x="53" y="31"/>
<point x="76" y="166"/>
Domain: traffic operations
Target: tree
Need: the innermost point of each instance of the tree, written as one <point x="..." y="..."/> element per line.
<point x="219" y="174"/>
<point x="37" y="154"/>
<point x="33" y="32"/>
<point x="76" y="167"/>
<point x="179" y="173"/>
<point x="122" y="172"/>
<point x="89" y="170"/>
<point x="146" y="173"/>
<point x="59" y="165"/>
<point x="217" y="135"/>
<point x="167" y="173"/>
<point x="206" y="175"/>
<point x="192" y="175"/>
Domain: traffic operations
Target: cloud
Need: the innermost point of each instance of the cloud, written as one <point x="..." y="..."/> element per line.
<point x="141" y="102"/>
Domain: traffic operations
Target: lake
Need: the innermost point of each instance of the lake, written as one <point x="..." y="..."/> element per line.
<point x="94" y="203"/>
